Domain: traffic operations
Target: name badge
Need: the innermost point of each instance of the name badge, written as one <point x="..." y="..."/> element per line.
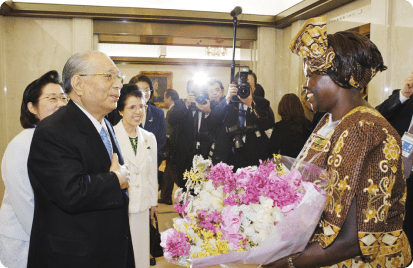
<point x="407" y="144"/>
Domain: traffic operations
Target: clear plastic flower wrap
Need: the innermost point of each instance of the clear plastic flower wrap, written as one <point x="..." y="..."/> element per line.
<point x="253" y="216"/>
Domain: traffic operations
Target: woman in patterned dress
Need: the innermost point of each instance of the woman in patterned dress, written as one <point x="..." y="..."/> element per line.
<point x="362" y="223"/>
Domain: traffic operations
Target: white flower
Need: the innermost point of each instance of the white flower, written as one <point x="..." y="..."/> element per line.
<point x="195" y="249"/>
<point x="250" y="168"/>
<point x="208" y="198"/>
<point x="200" y="162"/>
<point x="266" y="202"/>
<point x="189" y="207"/>
<point x="177" y="193"/>
<point x="249" y="230"/>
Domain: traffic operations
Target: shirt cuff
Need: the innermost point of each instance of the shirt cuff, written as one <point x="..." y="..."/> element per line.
<point x="402" y="98"/>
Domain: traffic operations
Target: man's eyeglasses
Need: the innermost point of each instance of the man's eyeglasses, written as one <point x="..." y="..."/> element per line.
<point x="111" y="76"/>
<point x="55" y="98"/>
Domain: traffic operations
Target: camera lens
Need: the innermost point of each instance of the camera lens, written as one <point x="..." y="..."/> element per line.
<point x="243" y="90"/>
<point x="238" y="142"/>
<point x="201" y="97"/>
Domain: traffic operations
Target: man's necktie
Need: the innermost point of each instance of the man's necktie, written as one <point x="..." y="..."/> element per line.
<point x="106" y="141"/>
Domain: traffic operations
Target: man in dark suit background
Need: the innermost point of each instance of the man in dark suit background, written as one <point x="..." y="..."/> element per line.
<point x="398" y="110"/>
<point x="194" y="128"/>
<point x="169" y="175"/>
<point x="81" y="203"/>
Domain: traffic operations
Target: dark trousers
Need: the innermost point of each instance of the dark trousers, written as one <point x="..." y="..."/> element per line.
<point x="169" y="177"/>
<point x="130" y="263"/>
<point x="408" y="221"/>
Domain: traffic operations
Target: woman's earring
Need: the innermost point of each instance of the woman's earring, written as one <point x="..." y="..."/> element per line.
<point x="120" y="113"/>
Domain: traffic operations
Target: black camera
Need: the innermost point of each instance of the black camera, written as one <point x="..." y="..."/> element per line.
<point x="243" y="85"/>
<point x="201" y="96"/>
<point x="200" y="92"/>
<point x="236" y="134"/>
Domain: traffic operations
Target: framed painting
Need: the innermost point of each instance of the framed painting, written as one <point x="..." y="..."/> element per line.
<point x="161" y="81"/>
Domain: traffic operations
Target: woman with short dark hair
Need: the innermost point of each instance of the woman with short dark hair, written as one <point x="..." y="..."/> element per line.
<point x="41" y="98"/>
<point x="154" y="118"/>
<point x="139" y="151"/>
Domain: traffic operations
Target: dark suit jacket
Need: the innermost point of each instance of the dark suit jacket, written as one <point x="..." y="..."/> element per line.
<point x="399" y="115"/>
<point x="256" y="147"/>
<point x="287" y="140"/>
<point x="171" y="135"/>
<point x="81" y="214"/>
<point x="188" y="135"/>
<point x="155" y="123"/>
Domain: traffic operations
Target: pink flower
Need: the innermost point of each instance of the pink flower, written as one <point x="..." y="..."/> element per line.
<point x="180" y="207"/>
<point x="221" y="174"/>
<point x="230" y="227"/>
<point x="210" y="220"/>
<point x="174" y="244"/>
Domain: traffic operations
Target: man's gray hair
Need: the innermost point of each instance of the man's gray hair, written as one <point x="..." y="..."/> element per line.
<point x="76" y="64"/>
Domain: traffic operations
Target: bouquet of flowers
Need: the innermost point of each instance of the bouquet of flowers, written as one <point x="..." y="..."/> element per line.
<point x="255" y="215"/>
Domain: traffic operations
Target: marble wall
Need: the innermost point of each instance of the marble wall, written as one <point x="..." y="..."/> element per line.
<point x="30" y="47"/>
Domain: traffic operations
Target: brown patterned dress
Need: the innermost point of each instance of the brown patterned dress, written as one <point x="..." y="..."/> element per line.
<point x="362" y="156"/>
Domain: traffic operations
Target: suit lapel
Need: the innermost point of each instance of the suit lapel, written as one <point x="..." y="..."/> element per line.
<point x="93" y="138"/>
<point x="142" y="146"/>
<point x="123" y="139"/>
<point x="149" y="119"/>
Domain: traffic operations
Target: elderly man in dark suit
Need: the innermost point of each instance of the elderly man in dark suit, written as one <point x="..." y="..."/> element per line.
<point x="80" y="187"/>
<point x="398" y="110"/>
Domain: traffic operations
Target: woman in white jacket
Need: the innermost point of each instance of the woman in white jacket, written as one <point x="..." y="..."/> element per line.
<point x="41" y="98"/>
<point x="139" y="151"/>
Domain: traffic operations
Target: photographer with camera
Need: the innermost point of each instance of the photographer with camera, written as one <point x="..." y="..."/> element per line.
<point x="243" y="119"/>
<point x="194" y="127"/>
<point x="216" y="90"/>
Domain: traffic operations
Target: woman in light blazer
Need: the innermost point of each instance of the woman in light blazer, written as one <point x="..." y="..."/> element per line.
<point x="139" y="151"/>
<point x="41" y="98"/>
